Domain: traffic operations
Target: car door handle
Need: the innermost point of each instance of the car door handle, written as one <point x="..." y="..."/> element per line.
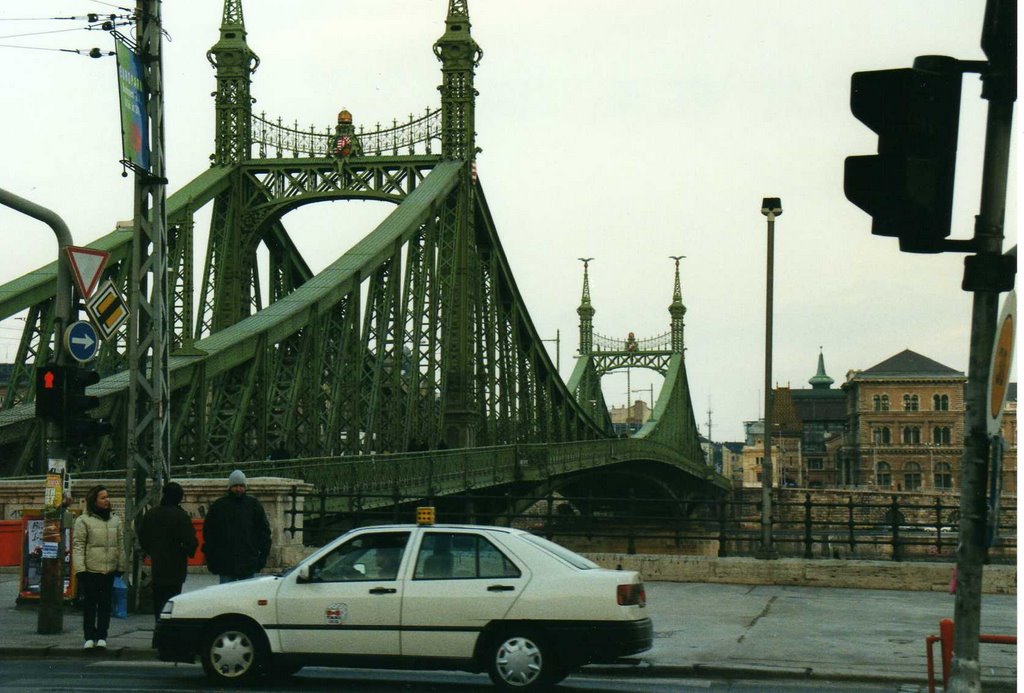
<point x="383" y="590"/>
<point x="501" y="588"/>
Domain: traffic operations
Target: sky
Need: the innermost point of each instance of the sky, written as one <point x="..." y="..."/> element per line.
<point x="626" y="132"/>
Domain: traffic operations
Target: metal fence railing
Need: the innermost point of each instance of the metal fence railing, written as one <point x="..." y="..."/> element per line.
<point x="902" y="528"/>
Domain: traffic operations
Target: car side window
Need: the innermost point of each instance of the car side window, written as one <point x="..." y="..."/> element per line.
<point x="374" y="556"/>
<point x="458" y="555"/>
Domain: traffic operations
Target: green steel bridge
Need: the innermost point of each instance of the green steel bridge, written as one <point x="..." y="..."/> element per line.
<point x="409" y="363"/>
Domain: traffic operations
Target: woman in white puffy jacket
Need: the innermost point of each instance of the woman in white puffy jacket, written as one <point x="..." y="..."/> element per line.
<point x="97" y="557"/>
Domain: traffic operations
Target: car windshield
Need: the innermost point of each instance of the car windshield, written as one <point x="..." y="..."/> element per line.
<point x="570" y="557"/>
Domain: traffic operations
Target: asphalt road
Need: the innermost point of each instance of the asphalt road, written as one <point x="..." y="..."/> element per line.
<point x="83" y="676"/>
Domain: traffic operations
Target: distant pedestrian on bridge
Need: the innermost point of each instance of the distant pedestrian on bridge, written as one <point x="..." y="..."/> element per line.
<point x="169" y="539"/>
<point x="236" y="533"/>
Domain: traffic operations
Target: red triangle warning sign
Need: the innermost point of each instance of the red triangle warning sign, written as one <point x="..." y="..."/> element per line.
<point x="87" y="267"/>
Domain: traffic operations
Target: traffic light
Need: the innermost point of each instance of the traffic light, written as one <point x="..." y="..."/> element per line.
<point x="79" y="427"/>
<point x="908" y="186"/>
<point x="50" y="380"/>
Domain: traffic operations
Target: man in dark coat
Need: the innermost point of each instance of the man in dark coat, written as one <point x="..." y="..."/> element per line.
<point x="169" y="539"/>
<point x="236" y="533"/>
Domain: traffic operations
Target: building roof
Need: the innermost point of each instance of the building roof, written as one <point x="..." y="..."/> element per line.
<point x="820" y="405"/>
<point x="909" y="364"/>
<point x="821" y="379"/>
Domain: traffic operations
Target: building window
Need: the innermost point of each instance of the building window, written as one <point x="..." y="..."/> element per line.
<point x="912" y="476"/>
<point x="911" y="435"/>
<point x="883" y="476"/>
<point x="940" y="402"/>
<point x="911" y="403"/>
<point x="815" y="464"/>
<point x="885" y="402"/>
<point x="943" y="475"/>
<point x="941" y="435"/>
<point x="881" y="435"/>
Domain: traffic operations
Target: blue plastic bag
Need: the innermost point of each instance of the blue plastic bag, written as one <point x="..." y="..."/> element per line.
<point x="120" y="603"/>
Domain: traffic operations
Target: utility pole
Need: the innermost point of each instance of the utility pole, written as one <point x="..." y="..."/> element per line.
<point x="986" y="274"/>
<point x="51" y="587"/>
<point x="148" y="334"/>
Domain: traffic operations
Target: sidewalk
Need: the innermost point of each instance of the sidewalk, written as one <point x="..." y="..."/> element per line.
<point x="702" y="630"/>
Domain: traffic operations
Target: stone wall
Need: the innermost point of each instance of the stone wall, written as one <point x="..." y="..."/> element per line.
<point x="880" y="575"/>
<point x="872" y="506"/>
<point x="274" y="493"/>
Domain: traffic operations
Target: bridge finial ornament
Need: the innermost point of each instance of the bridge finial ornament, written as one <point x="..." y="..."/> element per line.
<point x="586" y="311"/>
<point x="677" y="310"/>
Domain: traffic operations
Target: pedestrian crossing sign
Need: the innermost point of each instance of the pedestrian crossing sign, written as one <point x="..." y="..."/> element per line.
<point x="107" y="309"/>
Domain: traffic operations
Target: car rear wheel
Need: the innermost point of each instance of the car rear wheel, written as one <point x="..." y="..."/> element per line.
<point x="233" y="652"/>
<point x="522" y="660"/>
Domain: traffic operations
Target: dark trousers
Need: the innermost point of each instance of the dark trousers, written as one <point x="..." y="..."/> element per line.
<point x="96" y="591"/>
<point x="161" y="593"/>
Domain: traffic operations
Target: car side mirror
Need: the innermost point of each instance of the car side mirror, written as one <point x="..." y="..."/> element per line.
<point x="303" y="574"/>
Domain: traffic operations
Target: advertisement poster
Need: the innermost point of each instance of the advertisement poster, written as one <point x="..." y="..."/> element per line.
<point x="36" y="546"/>
<point x="132" y="96"/>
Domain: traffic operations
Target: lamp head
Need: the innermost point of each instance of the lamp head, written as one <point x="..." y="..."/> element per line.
<point x="771" y="207"/>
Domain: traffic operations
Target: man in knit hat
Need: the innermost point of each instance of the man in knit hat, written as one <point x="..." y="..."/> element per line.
<point x="236" y="533"/>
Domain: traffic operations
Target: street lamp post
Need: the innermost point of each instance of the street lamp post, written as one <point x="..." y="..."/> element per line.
<point x="558" y="348"/>
<point x="771" y="207"/>
<point x="51" y="583"/>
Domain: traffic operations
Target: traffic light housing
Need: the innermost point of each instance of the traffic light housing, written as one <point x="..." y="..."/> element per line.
<point x="907" y="187"/>
<point x="50" y="382"/>
<point x="79" y="426"/>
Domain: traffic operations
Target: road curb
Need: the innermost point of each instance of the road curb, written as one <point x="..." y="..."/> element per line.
<point x="62" y="652"/>
<point x="647" y="669"/>
<point x="639" y="668"/>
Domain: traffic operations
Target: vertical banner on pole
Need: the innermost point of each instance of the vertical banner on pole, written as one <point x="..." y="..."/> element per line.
<point x="134" y="122"/>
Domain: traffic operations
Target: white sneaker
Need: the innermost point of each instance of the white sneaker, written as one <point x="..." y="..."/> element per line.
<point x="101" y="643"/>
<point x="89" y="644"/>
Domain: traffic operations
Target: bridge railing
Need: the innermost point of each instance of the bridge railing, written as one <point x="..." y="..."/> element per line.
<point x="276" y="139"/>
<point x="901" y="529"/>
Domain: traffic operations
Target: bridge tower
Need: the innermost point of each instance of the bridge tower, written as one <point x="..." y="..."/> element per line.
<point x="459" y="55"/>
<point x="234" y="62"/>
<point x="673" y="422"/>
<point x="230" y="283"/>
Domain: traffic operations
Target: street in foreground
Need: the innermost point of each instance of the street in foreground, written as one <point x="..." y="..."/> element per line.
<point x="35" y="676"/>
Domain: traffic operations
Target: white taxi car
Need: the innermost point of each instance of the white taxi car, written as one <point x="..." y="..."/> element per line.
<point x="468" y="597"/>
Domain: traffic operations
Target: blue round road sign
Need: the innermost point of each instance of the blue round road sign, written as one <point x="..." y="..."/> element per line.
<point x="81" y="341"/>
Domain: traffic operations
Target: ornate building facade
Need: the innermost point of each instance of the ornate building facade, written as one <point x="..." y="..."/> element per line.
<point x="907" y="425"/>
<point x="897" y="426"/>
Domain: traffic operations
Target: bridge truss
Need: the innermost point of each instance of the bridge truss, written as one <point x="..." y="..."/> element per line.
<point x="415" y="339"/>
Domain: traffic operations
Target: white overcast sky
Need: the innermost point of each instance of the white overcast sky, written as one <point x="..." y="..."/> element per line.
<point x="624" y="131"/>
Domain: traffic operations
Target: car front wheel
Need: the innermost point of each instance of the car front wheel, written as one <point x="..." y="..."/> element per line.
<point x="233" y="653"/>
<point x="522" y="661"/>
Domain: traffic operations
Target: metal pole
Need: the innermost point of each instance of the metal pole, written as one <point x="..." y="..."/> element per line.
<point x="971" y="551"/>
<point x="147" y="419"/>
<point x="51" y="584"/>
<point x="771" y="207"/>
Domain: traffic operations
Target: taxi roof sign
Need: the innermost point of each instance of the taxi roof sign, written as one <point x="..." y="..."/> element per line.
<point x="425" y="515"/>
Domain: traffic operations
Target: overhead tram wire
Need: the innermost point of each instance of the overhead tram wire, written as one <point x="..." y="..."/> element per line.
<point x="88" y="52"/>
<point x="105" y="26"/>
<point x="97" y="23"/>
